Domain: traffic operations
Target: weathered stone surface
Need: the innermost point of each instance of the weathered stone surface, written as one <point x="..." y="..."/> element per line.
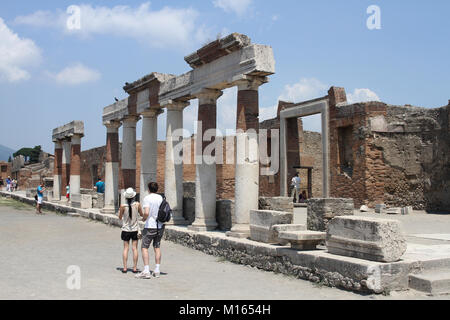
<point x="276" y="203"/>
<point x="68" y="130"/>
<point x="394" y="211"/>
<point x="261" y="222"/>
<point x="366" y="238"/>
<point x="380" y="208"/>
<point x="116" y="111"/>
<point x="224" y="214"/>
<point x="277" y="229"/>
<point x="303" y="240"/>
<point x="82" y="201"/>
<point x="321" y="211"/>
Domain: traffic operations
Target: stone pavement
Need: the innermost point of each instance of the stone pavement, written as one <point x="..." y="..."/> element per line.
<point x="37" y="250"/>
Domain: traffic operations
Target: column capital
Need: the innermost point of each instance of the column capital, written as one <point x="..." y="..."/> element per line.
<point x="152" y="113"/>
<point x="76" y="138"/>
<point x="58" y="143"/>
<point x="209" y="96"/>
<point x="251" y="83"/>
<point x="112" y="124"/>
<point x="131" y="119"/>
<point x="173" y="105"/>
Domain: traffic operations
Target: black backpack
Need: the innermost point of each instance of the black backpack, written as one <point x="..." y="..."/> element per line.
<point x="164" y="213"/>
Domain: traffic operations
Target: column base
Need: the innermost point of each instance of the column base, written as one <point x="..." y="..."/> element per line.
<point x="177" y="220"/>
<point x="203" y="227"/>
<point x="108" y="210"/>
<point x="241" y="231"/>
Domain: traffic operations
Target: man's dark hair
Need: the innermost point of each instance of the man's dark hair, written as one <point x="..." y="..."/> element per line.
<point x="153" y="187"/>
<point x="99" y="178"/>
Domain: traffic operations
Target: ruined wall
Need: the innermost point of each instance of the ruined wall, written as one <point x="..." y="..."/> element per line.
<point x="400" y="154"/>
<point x="312" y="147"/>
<point x="414" y="144"/>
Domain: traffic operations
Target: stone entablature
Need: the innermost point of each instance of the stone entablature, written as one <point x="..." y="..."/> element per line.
<point x="250" y="60"/>
<point x="68" y="130"/>
<point x="116" y="111"/>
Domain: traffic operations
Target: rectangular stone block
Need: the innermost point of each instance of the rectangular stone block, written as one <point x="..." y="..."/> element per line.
<point x="81" y="201"/>
<point x="321" y="211"/>
<point x="366" y="238"/>
<point x="300" y="213"/>
<point x="380" y="208"/>
<point x="262" y="221"/>
<point x="276" y="203"/>
<point x="303" y="240"/>
<point x="279" y="228"/>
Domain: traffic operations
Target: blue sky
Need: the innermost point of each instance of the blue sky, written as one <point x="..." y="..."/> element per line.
<point x="50" y="76"/>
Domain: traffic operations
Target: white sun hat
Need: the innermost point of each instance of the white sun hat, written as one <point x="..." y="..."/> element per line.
<point x="129" y="194"/>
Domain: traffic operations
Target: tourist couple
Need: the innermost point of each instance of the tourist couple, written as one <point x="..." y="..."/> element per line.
<point x="153" y="230"/>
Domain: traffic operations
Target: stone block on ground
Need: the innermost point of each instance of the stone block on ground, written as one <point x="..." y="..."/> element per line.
<point x="224" y="214"/>
<point x="394" y="211"/>
<point x="373" y="239"/>
<point x="300" y="213"/>
<point x="276" y="203"/>
<point x="286" y="228"/>
<point x="321" y="211"/>
<point x="380" y="208"/>
<point x="262" y="221"/>
<point x="81" y="201"/>
<point x="303" y="240"/>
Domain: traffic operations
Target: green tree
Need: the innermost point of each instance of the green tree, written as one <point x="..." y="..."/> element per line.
<point x="30" y="154"/>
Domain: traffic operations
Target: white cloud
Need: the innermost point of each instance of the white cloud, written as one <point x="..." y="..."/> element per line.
<point x="303" y="90"/>
<point x="237" y="6"/>
<point x="15" y="55"/>
<point x="75" y="74"/>
<point x="362" y="95"/>
<point x="158" y="28"/>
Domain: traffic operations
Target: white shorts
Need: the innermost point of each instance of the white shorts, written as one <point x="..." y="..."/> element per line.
<point x="40" y="199"/>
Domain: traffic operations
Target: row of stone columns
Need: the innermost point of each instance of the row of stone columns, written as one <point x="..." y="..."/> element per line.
<point x="67" y="166"/>
<point x="247" y="173"/>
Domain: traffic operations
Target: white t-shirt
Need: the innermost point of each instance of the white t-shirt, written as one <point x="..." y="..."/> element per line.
<point x="296" y="182"/>
<point x="153" y="202"/>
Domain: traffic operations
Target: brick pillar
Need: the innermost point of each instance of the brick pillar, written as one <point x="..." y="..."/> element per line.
<point x="149" y="152"/>
<point x="75" y="165"/>
<point x="247" y="156"/>
<point x="112" y="167"/>
<point x="57" y="171"/>
<point x="65" y="171"/>
<point x="173" y="173"/>
<point x="206" y="175"/>
<point x="129" y="152"/>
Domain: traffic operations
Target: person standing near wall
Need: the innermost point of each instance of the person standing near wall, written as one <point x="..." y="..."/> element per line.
<point x="100" y="186"/>
<point x="8" y="184"/>
<point x="295" y="184"/>
<point x="40" y="197"/>
<point x="68" y="192"/>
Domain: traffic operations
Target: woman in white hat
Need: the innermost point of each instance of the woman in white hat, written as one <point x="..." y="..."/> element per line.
<point x="129" y="213"/>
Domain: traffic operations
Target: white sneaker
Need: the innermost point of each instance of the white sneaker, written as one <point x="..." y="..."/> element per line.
<point x="156" y="274"/>
<point x="144" y="275"/>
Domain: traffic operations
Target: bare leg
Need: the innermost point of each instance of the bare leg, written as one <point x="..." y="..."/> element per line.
<point x="158" y="255"/>
<point x="135" y="255"/>
<point x="126" y="246"/>
<point x="145" y="256"/>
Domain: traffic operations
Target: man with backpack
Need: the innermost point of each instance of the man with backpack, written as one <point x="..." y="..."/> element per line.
<point x="156" y="213"/>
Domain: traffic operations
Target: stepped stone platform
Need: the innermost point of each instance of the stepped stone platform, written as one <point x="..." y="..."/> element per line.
<point x="318" y="266"/>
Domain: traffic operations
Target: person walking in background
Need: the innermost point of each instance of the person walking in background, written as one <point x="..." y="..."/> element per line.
<point x="295" y="184"/>
<point x="100" y="186"/>
<point x="8" y="184"/>
<point x="40" y="197"/>
<point x="68" y="192"/>
<point x="153" y="231"/>
<point x="129" y="213"/>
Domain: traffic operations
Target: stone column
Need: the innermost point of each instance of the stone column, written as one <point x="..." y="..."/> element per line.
<point x="112" y="167"/>
<point x="247" y="157"/>
<point x="65" y="172"/>
<point x="173" y="174"/>
<point x="205" y="177"/>
<point x="149" y="152"/>
<point x="75" y="165"/>
<point x="57" y="169"/>
<point x="129" y="152"/>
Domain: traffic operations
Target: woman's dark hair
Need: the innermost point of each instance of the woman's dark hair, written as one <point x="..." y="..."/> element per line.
<point x="153" y="187"/>
<point x="130" y="210"/>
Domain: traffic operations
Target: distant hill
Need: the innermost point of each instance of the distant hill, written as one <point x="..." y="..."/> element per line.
<point x="5" y="153"/>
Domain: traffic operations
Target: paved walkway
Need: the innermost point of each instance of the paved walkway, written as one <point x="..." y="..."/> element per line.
<point x="37" y="250"/>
